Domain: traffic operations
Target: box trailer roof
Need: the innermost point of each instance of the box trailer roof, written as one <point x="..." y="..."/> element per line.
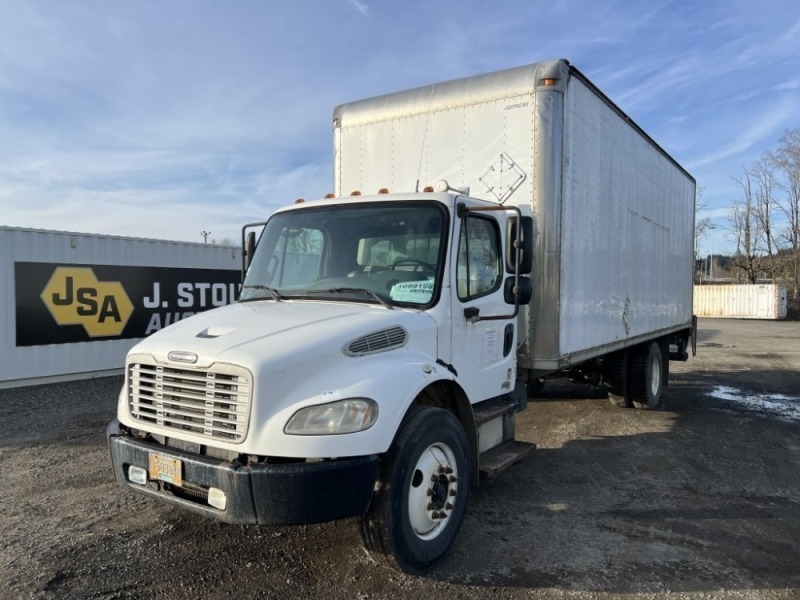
<point x="477" y="89"/>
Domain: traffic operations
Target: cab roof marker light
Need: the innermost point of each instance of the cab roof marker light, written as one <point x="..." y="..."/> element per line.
<point x="299" y="201"/>
<point x="428" y="188"/>
<point x="383" y="191"/>
<point x="329" y="196"/>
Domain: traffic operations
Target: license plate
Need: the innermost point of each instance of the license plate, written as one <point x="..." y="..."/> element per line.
<point x="166" y="469"/>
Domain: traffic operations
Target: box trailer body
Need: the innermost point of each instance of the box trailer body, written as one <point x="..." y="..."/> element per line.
<point x="613" y="212"/>
<point x="741" y="301"/>
<point x="383" y="343"/>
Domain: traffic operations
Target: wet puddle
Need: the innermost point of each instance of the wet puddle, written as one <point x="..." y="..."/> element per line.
<point x="777" y="405"/>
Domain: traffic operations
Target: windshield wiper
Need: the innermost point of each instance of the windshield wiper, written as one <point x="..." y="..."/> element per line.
<point x="272" y="291"/>
<point x="353" y="290"/>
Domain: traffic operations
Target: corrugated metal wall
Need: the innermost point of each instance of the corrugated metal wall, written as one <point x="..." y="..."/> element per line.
<point x="26" y="252"/>
<point x="759" y="301"/>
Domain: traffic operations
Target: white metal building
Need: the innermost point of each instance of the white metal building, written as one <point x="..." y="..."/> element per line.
<point x="72" y="304"/>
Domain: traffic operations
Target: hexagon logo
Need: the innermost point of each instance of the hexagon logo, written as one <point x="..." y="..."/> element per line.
<point x="74" y="296"/>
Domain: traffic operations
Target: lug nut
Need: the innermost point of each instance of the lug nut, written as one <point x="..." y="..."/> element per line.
<point x="448" y="506"/>
<point x="452" y="479"/>
<point x="452" y="492"/>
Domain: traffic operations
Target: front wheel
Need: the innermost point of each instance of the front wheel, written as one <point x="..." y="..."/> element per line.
<point x="421" y="498"/>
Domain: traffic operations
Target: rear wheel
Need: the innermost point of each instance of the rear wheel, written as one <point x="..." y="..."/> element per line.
<point x="646" y="381"/>
<point x="421" y="498"/>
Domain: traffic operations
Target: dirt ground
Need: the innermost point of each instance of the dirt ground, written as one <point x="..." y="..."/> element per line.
<point x="698" y="500"/>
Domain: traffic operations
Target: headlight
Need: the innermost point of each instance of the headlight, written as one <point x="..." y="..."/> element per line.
<point x="342" y="416"/>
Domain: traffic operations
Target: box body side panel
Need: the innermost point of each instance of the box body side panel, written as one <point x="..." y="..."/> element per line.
<point x="627" y="230"/>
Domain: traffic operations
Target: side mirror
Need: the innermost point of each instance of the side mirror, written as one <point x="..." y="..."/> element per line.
<point x="526" y="245"/>
<point x="249" y="250"/>
<point x="525" y="291"/>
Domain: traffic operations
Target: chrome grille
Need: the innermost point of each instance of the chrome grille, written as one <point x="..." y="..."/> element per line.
<point x="213" y="403"/>
<point x="378" y="341"/>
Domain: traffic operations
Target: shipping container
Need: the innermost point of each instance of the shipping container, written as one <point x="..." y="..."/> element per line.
<point x="746" y="301"/>
<point x="73" y="304"/>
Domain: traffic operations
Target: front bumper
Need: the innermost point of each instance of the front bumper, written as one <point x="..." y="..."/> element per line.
<point x="259" y="493"/>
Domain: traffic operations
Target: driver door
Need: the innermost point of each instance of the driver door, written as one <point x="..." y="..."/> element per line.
<point x="482" y="353"/>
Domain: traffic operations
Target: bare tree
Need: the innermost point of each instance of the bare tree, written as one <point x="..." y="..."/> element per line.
<point x="701" y="226"/>
<point x="227" y="241"/>
<point x="746" y="229"/>
<point x="762" y="182"/>
<point x="787" y="161"/>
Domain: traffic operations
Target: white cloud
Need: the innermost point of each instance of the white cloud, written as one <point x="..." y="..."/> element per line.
<point x="792" y="84"/>
<point x="165" y="120"/>
<point x="361" y="7"/>
<point x="761" y="127"/>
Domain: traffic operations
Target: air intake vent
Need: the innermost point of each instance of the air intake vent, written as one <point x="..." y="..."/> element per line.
<point x="379" y="341"/>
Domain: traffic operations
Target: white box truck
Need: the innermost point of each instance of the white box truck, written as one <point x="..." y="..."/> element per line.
<point x="485" y="234"/>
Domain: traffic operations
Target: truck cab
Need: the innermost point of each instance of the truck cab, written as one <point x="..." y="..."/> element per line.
<point x="367" y="370"/>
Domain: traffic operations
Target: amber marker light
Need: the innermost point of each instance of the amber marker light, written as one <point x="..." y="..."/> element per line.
<point x="383" y="191"/>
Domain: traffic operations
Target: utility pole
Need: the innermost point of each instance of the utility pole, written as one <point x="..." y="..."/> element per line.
<point x="711" y="258"/>
<point x="205" y="235"/>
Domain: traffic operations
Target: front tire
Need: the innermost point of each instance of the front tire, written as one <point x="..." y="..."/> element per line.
<point x="419" y="504"/>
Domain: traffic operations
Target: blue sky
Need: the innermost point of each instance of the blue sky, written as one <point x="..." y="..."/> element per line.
<point x="165" y="119"/>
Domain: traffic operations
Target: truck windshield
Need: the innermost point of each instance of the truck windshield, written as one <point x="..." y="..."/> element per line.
<point x="390" y="254"/>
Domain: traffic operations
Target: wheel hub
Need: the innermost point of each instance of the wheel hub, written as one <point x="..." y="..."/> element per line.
<point x="433" y="491"/>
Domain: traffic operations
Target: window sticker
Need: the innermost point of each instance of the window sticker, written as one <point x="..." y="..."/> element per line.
<point x="419" y="292"/>
<point x="491" y="347"/>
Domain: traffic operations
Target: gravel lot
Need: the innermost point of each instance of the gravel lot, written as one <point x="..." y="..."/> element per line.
<point x="698" y="500"/>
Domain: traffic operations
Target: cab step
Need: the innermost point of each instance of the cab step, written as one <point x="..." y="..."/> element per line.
<point x="499" y="458"/>
<point x="492" y="409"/>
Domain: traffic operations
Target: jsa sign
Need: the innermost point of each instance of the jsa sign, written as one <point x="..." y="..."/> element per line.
<point x="58" y="304"/>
